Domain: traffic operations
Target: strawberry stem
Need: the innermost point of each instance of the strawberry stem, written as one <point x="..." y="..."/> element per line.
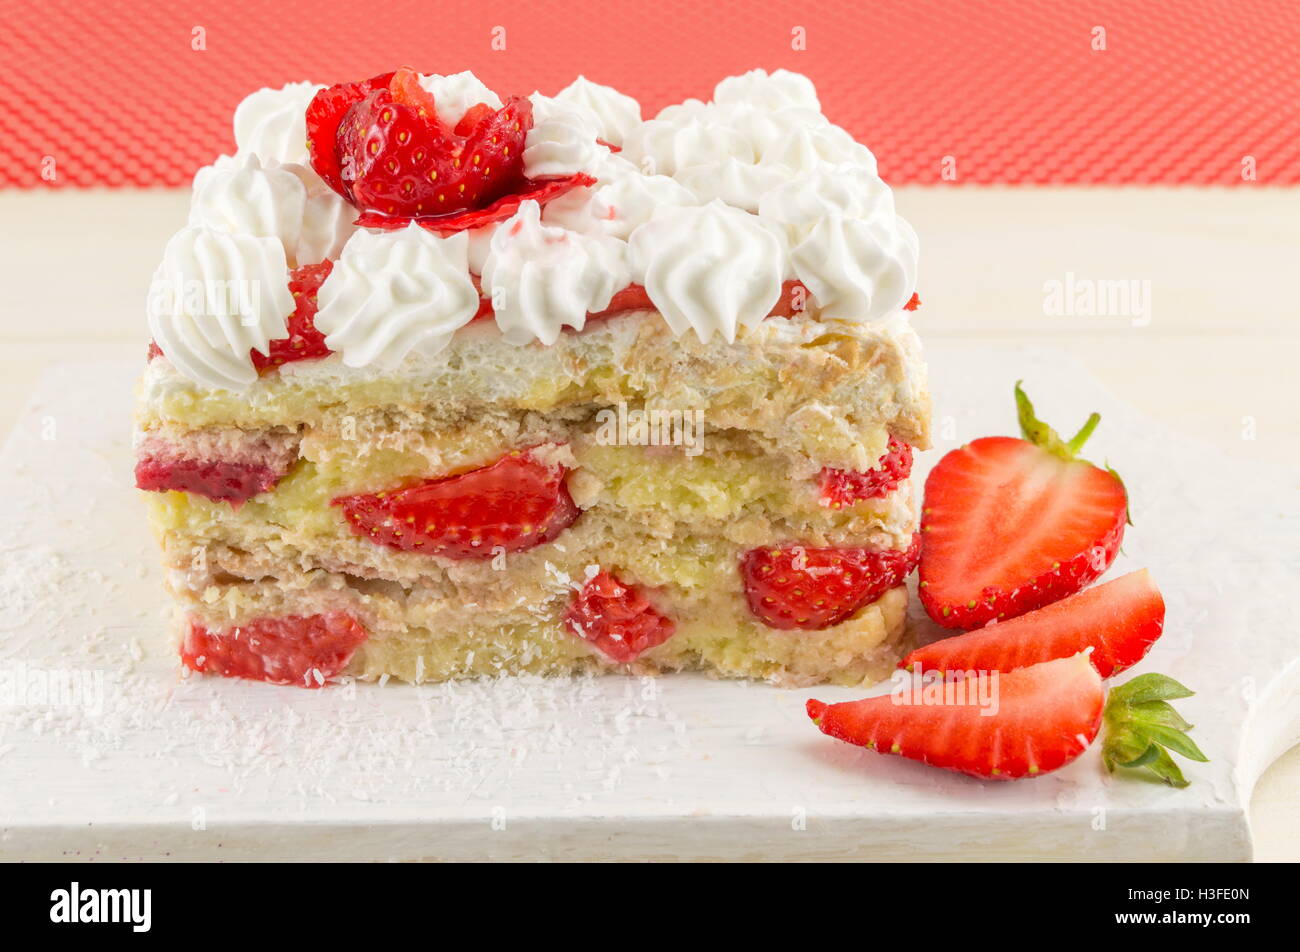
<point x="1040" y="434"/>
<point x="1142" y="728"/>
<point x="1077" y="441"/>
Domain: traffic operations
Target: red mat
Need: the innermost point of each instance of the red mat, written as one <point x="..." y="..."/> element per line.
<point x="113" y="93"/>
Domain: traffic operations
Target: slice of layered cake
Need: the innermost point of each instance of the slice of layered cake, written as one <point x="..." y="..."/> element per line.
<point x="472" y="385"/>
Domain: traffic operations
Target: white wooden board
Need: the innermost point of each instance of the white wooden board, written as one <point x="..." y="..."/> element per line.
<point x="680" y="767"/>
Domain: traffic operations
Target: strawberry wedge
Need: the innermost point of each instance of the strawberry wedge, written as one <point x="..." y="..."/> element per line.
<point x="1043" y="717"/>
<point x="1119" y="620"/>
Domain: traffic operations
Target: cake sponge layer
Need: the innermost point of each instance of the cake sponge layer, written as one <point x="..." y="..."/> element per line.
<point x="827" y="391"/>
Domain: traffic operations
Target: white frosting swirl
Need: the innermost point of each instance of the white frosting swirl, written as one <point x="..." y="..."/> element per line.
<point x="455" y="93"/>
<point x="776" y="90"/>
<point x="848" y="190"/>
<point x="805" y="146"/>
<point x="396" y="291"/>
<point x="740" y="184"/>
<point x="618" y="204"/>
<point x="712" y="268"/>
<point x="562" y="141"/>
<point x="609" y="111"/>
<point x="287" y="202"/>
<point x="858" y="269"/>
<point x="222" y="163"/>
<point x="215" y="297"/>
<point x="272" y="123"/>
<point x="543" y="278"/>
<point x="665" y="146"/>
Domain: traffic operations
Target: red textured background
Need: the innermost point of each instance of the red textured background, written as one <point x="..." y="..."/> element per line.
<point x="1011" y="90"/>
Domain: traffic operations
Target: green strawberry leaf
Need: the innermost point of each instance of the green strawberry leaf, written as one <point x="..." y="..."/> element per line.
<point x="1141" y="728"/>
<point x="1149" y="687"/>
<point x="1040" y="434"/>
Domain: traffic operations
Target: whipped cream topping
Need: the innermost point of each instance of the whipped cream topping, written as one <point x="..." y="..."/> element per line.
<point x="542" y="278"/>
<point x="858" y="270"/>
<point x="288" y="202"/>
<point x="611" y="113"/>
<point x="621" y="201"/>
<point x="394" y="292"/>
<point x="455" y="93"/>
<point x="710" y="205"/>
<point x="771" y="91"/>
<point x="710" y="268"/>
<point x="272" y="123"/>
<point x="562" y="140"/>
<point x="215" y="297"/>
<point x="848" y="190"/>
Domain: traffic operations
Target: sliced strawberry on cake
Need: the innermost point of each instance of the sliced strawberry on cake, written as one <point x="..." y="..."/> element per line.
<point x="1119" y="620"/>
<point x="617" y="618"/>
<point x="382" y="145"/>
<point x="1035" y="720"/>
<point x="304" y="342"/>
<point x="306" y="651"/>
<point x="840" y="487"/>
<point x="225" y="466"/>
<point x="514" y="504"/>
<point x="795" y="587"/>
<point x="1010" y="525"/>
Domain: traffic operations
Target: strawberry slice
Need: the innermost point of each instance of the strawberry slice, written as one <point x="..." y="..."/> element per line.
<point x="231" y="481"/>
<point x="1119" y="620"/>
<point x="473" y="116"/>
<point x="303" y="650"/>
<point x="841" y="487"/>
<point x="399" y="159"/>
<point x="617" y="618"/>
<point x="1045" y="716"/>
<point x="304" y="341"/>
<point x="1011" y="525"/>
<point x="795" y="587"/>
<point x="913" y="302"/>
<point x="514" y="504"/>
<point x="324" y="113"/>
<point x="445" y="225"/>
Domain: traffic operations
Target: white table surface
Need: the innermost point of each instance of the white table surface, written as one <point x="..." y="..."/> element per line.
<point x="1216" y="360"/>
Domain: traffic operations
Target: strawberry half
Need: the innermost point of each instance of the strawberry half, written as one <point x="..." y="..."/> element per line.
<point x="794" y="587"/>
<point x="841" y="487"/>
<point x="303" y="650"/>
<point x="1011" y="524"/>
<point x="516" y="503"/>
<point x="304" y="341"/>
<point x="1046" y="715"/>
<point x="1119" y="620"/>
<point x="617" y="618"/>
